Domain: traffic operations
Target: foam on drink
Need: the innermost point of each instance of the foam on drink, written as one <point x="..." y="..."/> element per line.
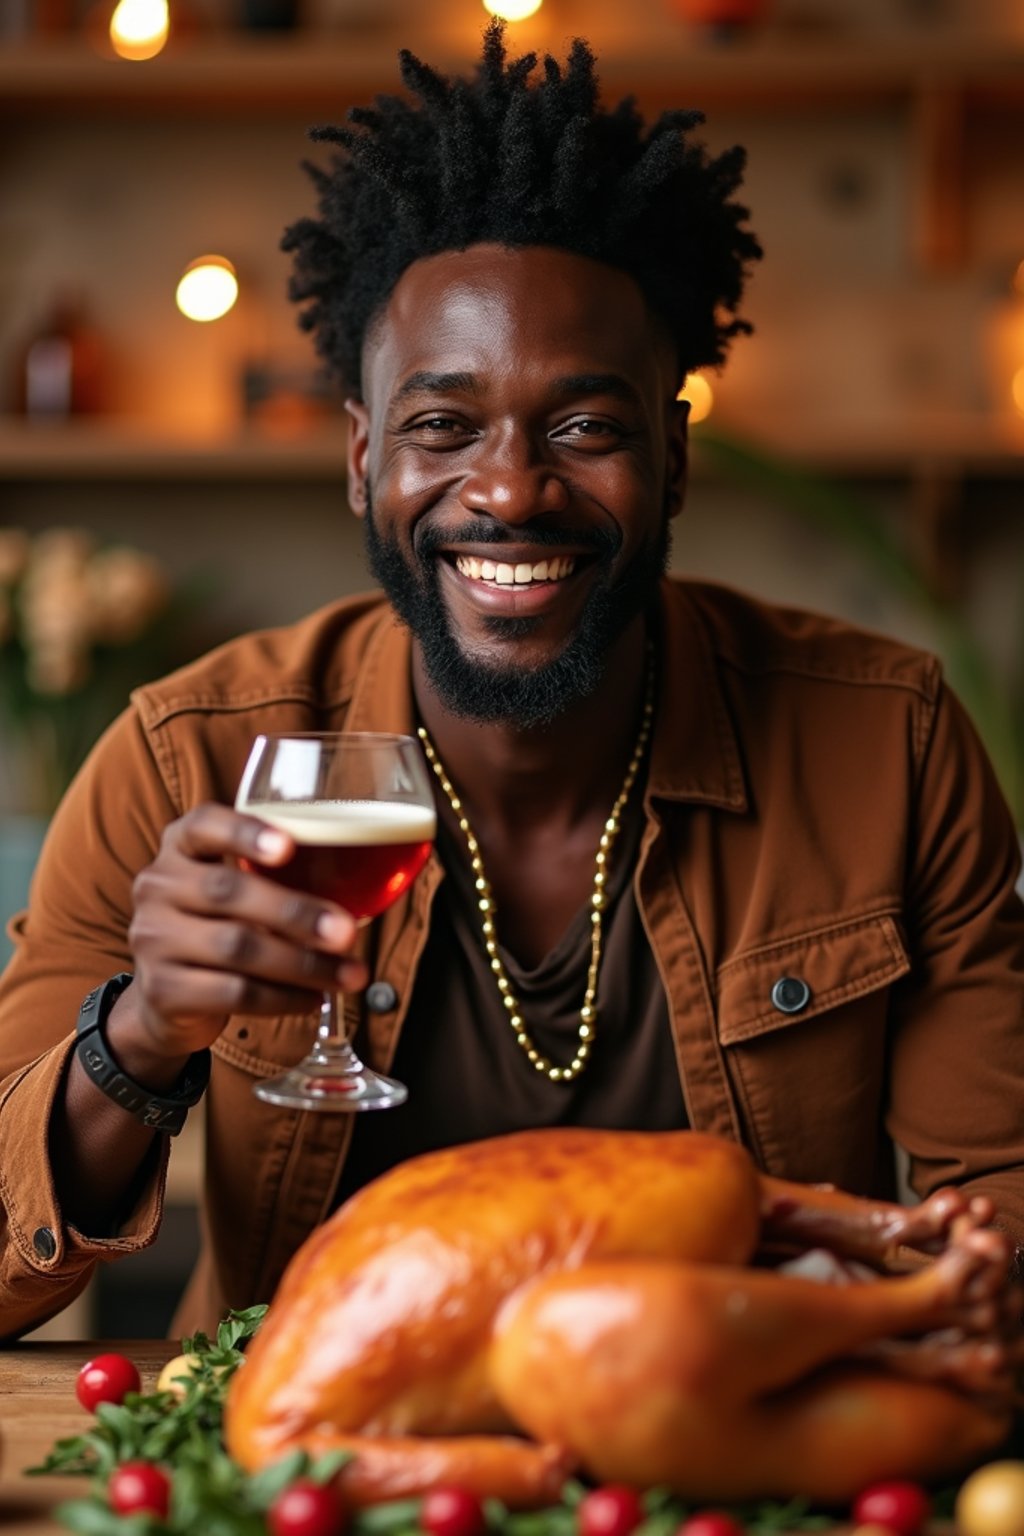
<point x="344" y="822"/>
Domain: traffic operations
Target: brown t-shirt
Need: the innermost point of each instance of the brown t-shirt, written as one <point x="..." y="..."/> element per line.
<point x="469" y="1079"/>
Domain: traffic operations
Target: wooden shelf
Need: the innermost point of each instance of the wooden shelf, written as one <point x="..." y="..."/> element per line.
<point x="309" y="72"/>
<point x="112" y="450"/>
<point x="936" y="78"/>
<point x="953" y="444"/>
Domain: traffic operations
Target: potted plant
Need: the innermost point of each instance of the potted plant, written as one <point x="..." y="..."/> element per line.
<point x="80" y="625"/>
<point x="994" y="700"/>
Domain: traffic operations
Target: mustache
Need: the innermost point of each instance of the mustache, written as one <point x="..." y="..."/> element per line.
<point x="430" y="538"/>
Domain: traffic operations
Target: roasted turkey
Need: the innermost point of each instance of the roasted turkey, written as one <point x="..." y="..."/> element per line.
<point x="500" y="1314"/>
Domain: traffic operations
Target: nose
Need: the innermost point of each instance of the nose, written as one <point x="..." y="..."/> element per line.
<point x="511" y="481"/>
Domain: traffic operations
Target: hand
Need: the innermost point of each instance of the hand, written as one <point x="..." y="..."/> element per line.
<point x="212" y="936"/>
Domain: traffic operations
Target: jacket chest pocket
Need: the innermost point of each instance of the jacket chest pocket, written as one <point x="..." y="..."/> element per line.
<point x="803" y="1024"/>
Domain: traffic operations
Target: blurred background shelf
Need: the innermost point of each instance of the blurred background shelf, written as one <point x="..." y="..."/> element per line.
<point x="322" y="71"/>
<point x="112" y="450"/>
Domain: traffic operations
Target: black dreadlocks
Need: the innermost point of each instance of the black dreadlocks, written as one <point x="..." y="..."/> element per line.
<point x="498" y="158"/>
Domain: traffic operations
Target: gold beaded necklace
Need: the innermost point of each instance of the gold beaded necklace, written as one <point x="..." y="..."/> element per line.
<point x="485" y="901"/>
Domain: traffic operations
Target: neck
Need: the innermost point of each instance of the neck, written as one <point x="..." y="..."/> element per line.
<point x="558" y="772"/>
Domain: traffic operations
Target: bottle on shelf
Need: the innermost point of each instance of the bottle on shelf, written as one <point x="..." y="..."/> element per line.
<point x="268" y="15"/>
<point x="48" y="16"/>
<point x="721" y="18"/>
<point x="60" y="369"/>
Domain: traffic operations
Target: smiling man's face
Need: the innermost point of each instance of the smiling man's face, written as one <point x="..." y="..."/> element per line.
<point x="517" y="455"/>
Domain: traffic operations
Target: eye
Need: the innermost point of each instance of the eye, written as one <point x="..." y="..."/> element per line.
<point x="590" y="428"/>
<point x="438" y="429"/>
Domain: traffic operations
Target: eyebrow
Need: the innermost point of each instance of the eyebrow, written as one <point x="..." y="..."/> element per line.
<point x="425" y="382"/>
<point x="597" y="384"/>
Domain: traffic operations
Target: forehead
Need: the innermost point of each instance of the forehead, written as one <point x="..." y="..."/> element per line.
<point x="529" y="313"/>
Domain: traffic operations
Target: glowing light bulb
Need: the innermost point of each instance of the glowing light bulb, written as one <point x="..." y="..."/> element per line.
<point x="699" y="393"/>
<point x="512" y="10"/>
<point x="139" y="28"/>
<point x="1017" y="390"/>
<point x="207" y="289"/>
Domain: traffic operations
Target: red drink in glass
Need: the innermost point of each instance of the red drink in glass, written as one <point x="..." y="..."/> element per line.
<point x="361" y="854"/>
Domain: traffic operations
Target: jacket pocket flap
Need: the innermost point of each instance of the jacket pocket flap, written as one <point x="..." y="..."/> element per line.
<point x="263" y="1047"/>
<point x="779" y="984"/>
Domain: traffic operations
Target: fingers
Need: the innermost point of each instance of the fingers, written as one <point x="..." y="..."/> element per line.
<point x="213" y="831"/>
<point x="209" y="866"/>
<point x="217" y="993"/>
<point x="213" y="933"/>
<point x="243" y="896"/>
<point x="238" y="950"/>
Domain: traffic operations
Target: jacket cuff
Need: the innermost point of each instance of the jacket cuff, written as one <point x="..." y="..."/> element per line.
<point x="36" y="1228"/>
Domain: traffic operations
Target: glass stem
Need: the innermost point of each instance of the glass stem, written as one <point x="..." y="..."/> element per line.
<point x="331" y="1036"/>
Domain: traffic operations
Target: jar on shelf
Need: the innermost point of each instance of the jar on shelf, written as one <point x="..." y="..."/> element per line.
<point x="268" y="15"/>
<point x="720" y="16"/>
<point x="60" y="368"/>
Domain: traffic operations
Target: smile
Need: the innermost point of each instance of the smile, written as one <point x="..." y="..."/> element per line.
<point x="522" y="574"/>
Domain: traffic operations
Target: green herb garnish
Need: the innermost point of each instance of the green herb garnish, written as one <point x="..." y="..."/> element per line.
<point x="213" y="1496"/>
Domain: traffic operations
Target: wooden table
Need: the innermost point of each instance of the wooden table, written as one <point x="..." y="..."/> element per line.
<point x="37" y="1407"/>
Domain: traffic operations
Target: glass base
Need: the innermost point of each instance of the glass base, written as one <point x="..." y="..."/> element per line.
<point x="335" y="1087"/>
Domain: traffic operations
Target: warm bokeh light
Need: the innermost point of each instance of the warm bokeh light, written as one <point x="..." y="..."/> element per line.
<point x="1017" y="388"/>
<point x="1018" y="280"/>
<point x="700" y="395"/>
<point x="138" y="28"/>
<point x="512" y="10"/>
<point x="207" y="289"/>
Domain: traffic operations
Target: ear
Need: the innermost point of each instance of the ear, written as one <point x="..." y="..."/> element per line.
<point x="677" y="465"/>
<point x="358" y="453"/>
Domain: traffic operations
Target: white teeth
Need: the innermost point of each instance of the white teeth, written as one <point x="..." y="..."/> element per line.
<point x="523" y="574"/>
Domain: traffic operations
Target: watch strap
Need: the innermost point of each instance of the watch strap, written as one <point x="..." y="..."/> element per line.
<point x="159" y="1111"/>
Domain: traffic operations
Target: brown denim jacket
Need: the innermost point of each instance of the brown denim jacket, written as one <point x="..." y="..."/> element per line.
<point x="818" y="808"/>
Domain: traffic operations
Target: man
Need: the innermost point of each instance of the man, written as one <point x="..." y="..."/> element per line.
<point x="700" y="861"/>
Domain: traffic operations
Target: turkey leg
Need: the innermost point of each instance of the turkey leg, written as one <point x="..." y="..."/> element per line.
<point x="727" y="1383"/>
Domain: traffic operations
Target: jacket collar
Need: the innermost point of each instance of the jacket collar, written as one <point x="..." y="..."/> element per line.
<point x="694" y="753"/>
<point x="382" y="697"/>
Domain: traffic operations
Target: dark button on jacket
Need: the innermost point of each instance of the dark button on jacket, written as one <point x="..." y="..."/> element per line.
<point x="791" y="994"/>
<point x="381" y="997"/>
<point x="44" y="1242"/>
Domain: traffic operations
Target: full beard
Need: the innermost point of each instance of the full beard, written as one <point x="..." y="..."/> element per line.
<point x="487" y="692"/>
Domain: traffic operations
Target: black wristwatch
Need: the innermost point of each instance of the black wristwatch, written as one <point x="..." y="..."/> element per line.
<point x="160" y="1111"/>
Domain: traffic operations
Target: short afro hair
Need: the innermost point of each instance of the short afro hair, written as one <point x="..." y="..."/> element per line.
<point x="500" y="158"/>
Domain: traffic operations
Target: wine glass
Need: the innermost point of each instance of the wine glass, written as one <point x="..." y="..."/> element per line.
<point x="360" y="810"/>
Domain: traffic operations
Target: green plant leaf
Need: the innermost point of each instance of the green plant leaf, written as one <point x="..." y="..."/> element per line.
<point x="395" y="1516"/>
<point x="265" y="1486"/>
<point x="328" y="1465"/>
<point x="91" y="1517"/>
<point x="994" y="701"/>
<point x="663" y="1523"/>
<point x="573" y="1492"/>
<point x="558" y="1520"/>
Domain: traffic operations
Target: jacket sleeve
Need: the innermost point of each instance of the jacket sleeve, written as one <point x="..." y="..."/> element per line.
<point x="957" y="1065"/>
<point x="73" y="935"/>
